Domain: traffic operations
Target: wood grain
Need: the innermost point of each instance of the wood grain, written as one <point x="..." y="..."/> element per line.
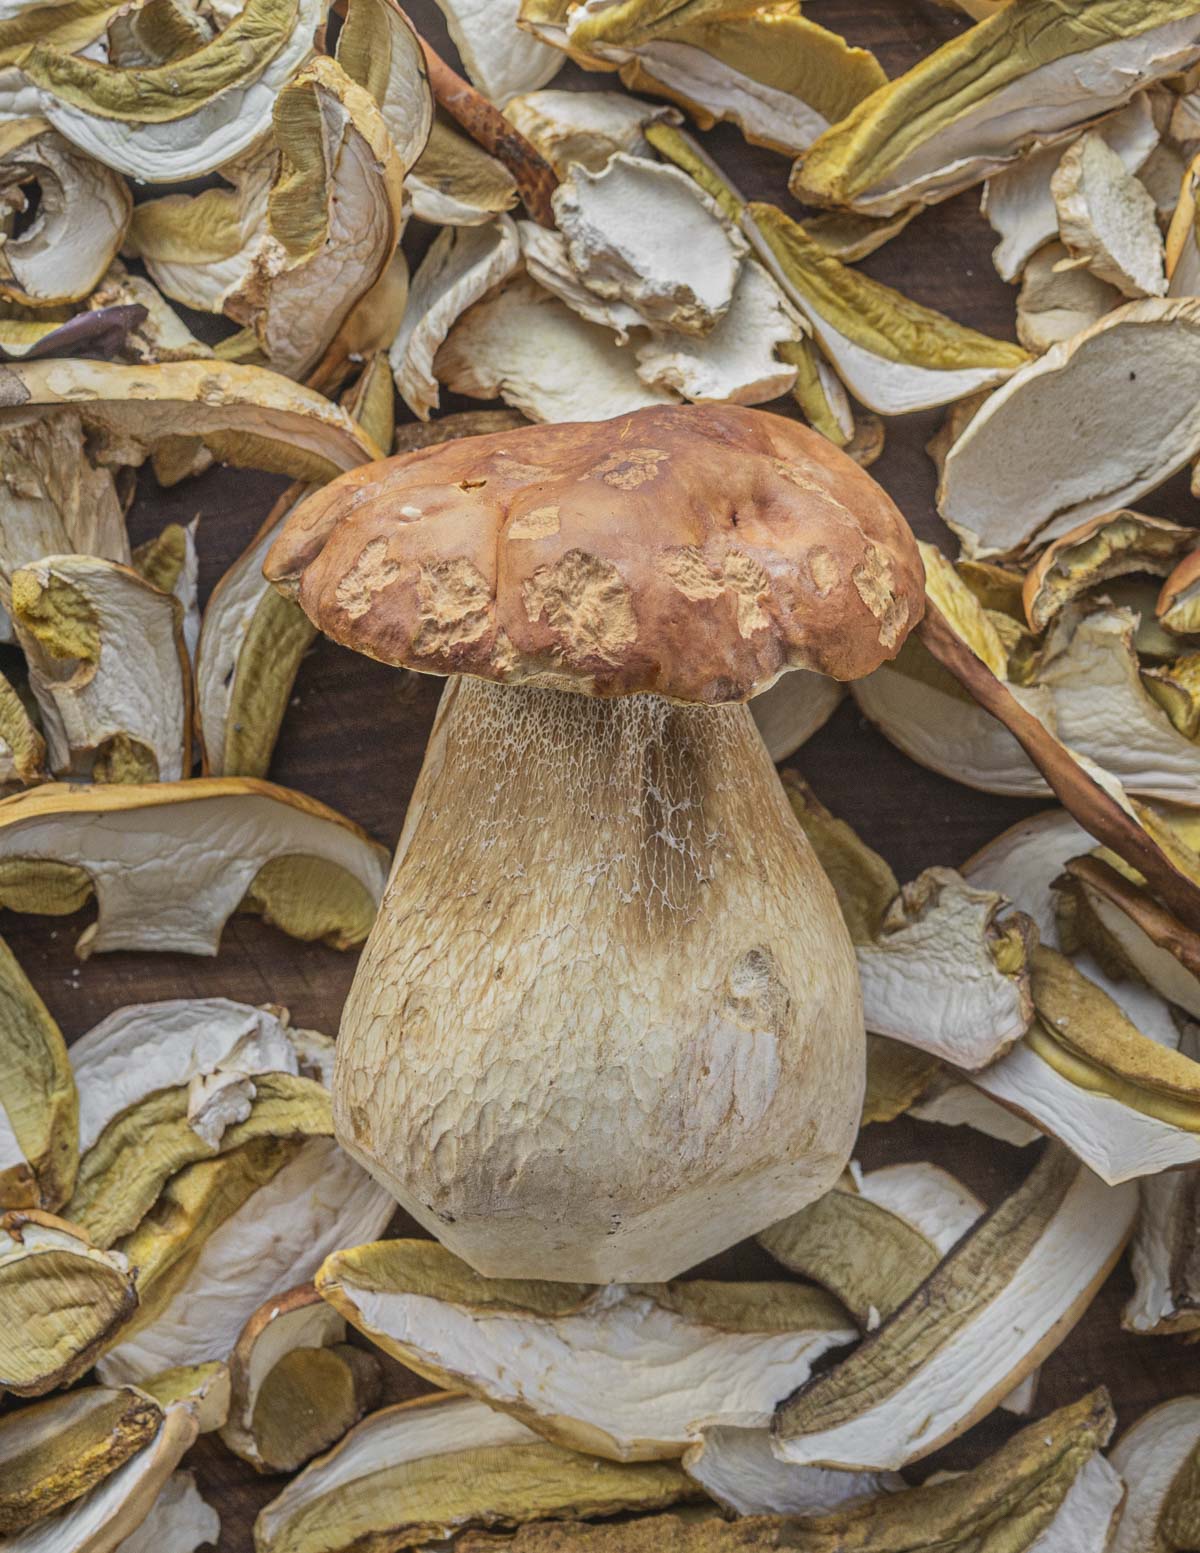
<point x="355" y="733"/>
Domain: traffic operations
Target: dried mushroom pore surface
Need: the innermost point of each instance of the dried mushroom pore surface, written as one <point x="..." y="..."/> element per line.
<point x="659" y="1046"/>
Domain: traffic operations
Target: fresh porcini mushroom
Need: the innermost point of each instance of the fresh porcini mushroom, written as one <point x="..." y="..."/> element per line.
<point x="627" y="1372"/>
<point x="594" y="776"/>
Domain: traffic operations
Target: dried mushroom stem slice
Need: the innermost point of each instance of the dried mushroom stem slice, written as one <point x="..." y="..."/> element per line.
<point x="434" y="1467"/>
<point x="39" y="1111"/>
<point x="524" y="346"/>
<point x="165" y="122"/>
<point x="737" y="1468"/>
<point x="454" y="182"/>
<point x="499" y="59"/>
<point x="64" y="1299"/>
<point x="629" y="1372"/>
<point x="1039" y="1493"/>
<point x="22" y="748"/>
<point x="202" y="1388"/>
<point x="1163" y="1256"/>
<point x="288" y="1207"/>
<point x="1159" y="1458"/>
<point x="1179" y="602"/>
<point x="893" y="354"/>
<point x="1054" y="304"/>
<point x="245" y="416"/>
<point x="462" y="264"/>
<point x="677" y="268"/>
<point x="985" y="97"/>
<point x="1107" y="219"/>
<point x="77" y="222"/>
<point x="244" y="842"/>
<point x="252" y="641"/>
<point x="585" y="127"/>
<point x="296" y="1386"/>
<point x="109" y="667"/>
<point x="1109" y="545"/>
<point x="875" y="1239"/>
<point x="797" y="706"/>
<point x="949" y="1353"/>
<point x="1010" y="479"/>
<point x="180" y="1520"/>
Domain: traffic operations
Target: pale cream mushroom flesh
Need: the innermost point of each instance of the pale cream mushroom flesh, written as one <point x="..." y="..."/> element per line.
<point x="608" y="1021"/>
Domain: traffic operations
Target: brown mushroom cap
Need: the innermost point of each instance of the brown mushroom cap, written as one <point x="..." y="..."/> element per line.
<point x="694" y="551"/>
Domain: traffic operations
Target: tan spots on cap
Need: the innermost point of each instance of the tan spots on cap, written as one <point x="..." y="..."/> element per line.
<point x="697" y="578"/>
<point x="519" y="472"/>
<point x="688" y="570"/>
<point x="797" y="477"/>
<point x="824" y="570"/>
<point x="504" y="654"/>
<point x="586" y="603"/>
<point x="373" y="571"/>
<point x="454" y="606"/>
<point x="541" y="523"/>
<point x="872" y="578"/>
<point x="628" y="469"/>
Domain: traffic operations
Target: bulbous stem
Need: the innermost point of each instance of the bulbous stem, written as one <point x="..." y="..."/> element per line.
<point x="608" y="1020"/>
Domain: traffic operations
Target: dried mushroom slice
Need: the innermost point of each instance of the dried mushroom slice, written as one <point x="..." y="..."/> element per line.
<point x="164" y="122"/>
<point x="1159" y="1459"/>
<point x="454" y="182"/>
<point x="297" y="1385"/>
<point x="739" y="360"/>
<point x="170" y="862"/>
<point x="1019" y="201"/>
<point x="72" y="25"/>
<point x="585" y="127"/>
<point x="54" y="1453"/>
<point x="797" y="706"/>
<point x="22" y="748"/>
<point x="905" y="938"/>
<point x="180" y="1520"/>
<point x="39" y="1112"/>
<point x="499" y="59"/>
<point x="162" y="335"/>
<point x="875" y="1238"/>
<point x="462" y="264"/>
<point x="1107" y="546"/>
<point x="738" y="1469"/>
<point x="524" y="346"/>
<point x="544" y="252"/>
<point x="1107" y="219"/>
<point x="678" y="270"/>
<point x="77" y="213"/>
<point x="1163" y="1256"/>
<point x="629" y="1372"/>
<point x="1054" y="304"/>
<point x="428" y="1469"/>
<point x="982" y="99"/>
<point x="1047" y="1490"/>
<point x="63" y="1298"/>
<point x="1178" y="608"/>
<point x="778" y="76"/>
<point x="1002" y="1299"/>
<point x="203" y="1388"/>
<point x="251" y="644"/>
<point x="109" y="667"/>
<point x="245" y="416"/>
<point x="1011" y="479"/>
<point x="379" y="49"/>
<point x="226" y="1234"/>
<point x="893" y="354"/>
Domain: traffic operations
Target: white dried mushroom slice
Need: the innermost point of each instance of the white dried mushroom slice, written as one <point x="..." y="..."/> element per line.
<point x="297" y="1386"/>
<point x="430" y="1468"/>
<point x="1107" y="219"/>
<point x="1002" y="1298"/>
<point x="246" y="416"/>
<point x="906" y="938"/>
<point x="251" y="642"/>
<point x="109" y="667"/>
<point x="1053" y="304"/>
<point x="161" y="123"/>
<point x="985" y="97"/>
<point x="64" y="1299"/>
<point x="1110" y="545"/>
<point x="544" y="252"/>
<point x="1019" y="203"/>
<point x="39" y="1127"/>
<point x="738" y="1469"/>
<point x="1178" y="607"/>
<point x="1129" y="386"/>
<point x="1162" y="1257"/>
<point x="586" y="127"/>
<point x="646" y="234"/>
<point x="1158" y="1460"/>
<point x="163" y="335"/>
<point x="629" y="1372"/>
<point x="461" y="265"/>
<point x="780" y="77"/>
<point x="180" y="1520"/>
<point x="169" y="862"/>
<point x="78" y="214"/>
<point x="893" y="354"/>
<point x="798" y="705"/>
<point x="499" y="58"/>
<point x="454" y="182"/>
<point x="378" y="47"/>
<point x="524" y="346"/>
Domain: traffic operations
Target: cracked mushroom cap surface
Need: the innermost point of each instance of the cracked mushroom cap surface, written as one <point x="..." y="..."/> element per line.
<point x="695" y="552"/>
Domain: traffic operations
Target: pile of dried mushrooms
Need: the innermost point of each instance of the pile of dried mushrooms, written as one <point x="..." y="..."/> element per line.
<point x="186" y="1249"/>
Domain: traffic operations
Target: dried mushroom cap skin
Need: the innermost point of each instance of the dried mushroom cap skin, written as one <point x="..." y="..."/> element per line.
<point x="507" y="557"/>
<point x="628" y="1373"/>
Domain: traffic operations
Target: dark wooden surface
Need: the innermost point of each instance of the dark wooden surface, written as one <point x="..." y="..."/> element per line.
<point x="355" y="733"/>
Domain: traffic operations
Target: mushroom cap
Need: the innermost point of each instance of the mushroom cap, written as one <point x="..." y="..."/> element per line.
<point x="693" y="551"/>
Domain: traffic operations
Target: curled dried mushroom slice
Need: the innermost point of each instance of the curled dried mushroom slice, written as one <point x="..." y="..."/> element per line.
<point x="180" y="1520"/>
<point x="454" y="182"/>
<point x="738" y="1469"/>
<point x="1054" y="304"/>
<point x="499" y="59"/>
<point x="22" y="747"/>
<point x="434" y="1467"/>
<point x="1107" y="219"/>
<point x="1109" y="545"/>
<point x="586" y="127"/>
<point x="39" y="1110"/>
<point x="1179" y="602"/>
<point x="1159" y="1459"/>
<point x="1163" y="1256"/>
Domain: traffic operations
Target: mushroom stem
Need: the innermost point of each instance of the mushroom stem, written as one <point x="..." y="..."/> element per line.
<point x="608" y="1020"/>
